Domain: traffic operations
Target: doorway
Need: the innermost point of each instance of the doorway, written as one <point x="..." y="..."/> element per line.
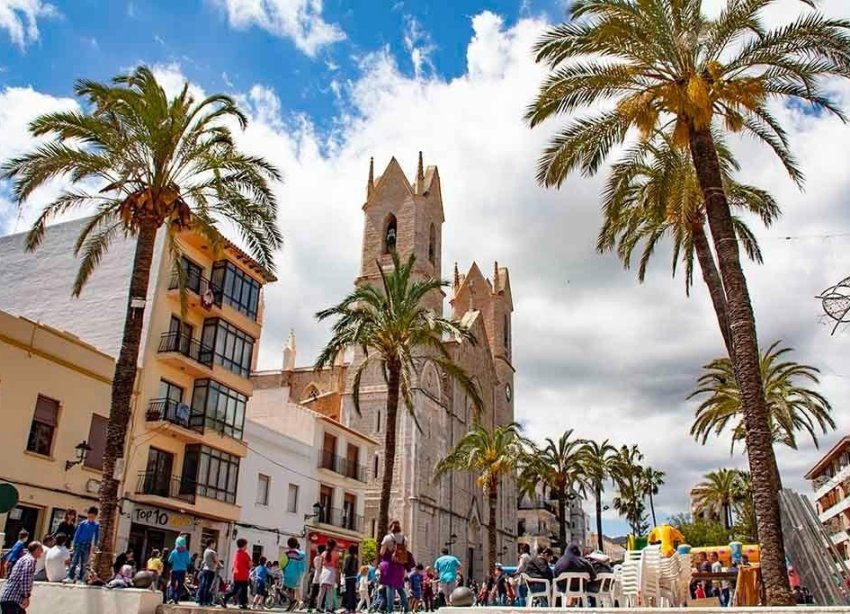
<point x="20" y="517"/>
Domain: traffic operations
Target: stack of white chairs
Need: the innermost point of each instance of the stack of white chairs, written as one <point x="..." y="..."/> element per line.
<point x="650" y="576"/>
<point x="571" y="587"/>
<point x="629" y="580"/>
<point x="669" y="581"/>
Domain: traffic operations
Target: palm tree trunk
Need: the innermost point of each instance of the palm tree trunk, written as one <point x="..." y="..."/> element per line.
<point x="562" y="520"/>
<point x="745" y="359"/>
<point x="727" y="517"/>
<point x="393" y="385"/>
<point x="712" y="280"/>
<point x="492" y="501"/>
<point x="599" y="542"/>
<point x="123" y="383"/>
<point x="652" y="509"/>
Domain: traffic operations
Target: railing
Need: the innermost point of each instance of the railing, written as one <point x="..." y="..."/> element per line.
<point x="200" y="284"/>
<point x="341" y="518"/>
<point x="538" y="503"/>
<point x="832" y="482"/>
<point x="185" y="345"/>
<point x="834" y="509"/>
<point x="164" y="485"/>
<point x="169" y="410"/>
<point x="341" y="465"/>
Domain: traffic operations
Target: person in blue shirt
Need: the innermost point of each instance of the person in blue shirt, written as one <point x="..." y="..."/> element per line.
<point x="293" y="570"/>
<point x="446" y="567"/>
<point x="179" y="561"/>
<point x="261" y="577"/>
<point x="85" y="538"/>
<point x="16" y="551"/>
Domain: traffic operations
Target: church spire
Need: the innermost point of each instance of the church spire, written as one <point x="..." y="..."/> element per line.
<point x="370" y="185"/>
<point x="420" y="176"/>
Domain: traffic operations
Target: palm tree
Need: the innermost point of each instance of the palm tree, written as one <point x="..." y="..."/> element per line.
<point x="492" y="455"/>
<point x="558" y="468"/>
<point x="598" y="462"/>
<point x="397" y="335"/>
<point x="154" y="163"/>
<point x="717" y="493"/>
<point x="791" y="405"/>
<point x="652" y="480"/>
<point x="629" y="501"/>
<point x="653" y="193"/>
<point x="650" y="64"/>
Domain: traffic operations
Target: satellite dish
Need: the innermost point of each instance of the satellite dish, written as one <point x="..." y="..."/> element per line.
<point x="8" y="497"/>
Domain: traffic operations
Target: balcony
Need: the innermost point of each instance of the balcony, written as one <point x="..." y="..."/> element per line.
<point x="538" y="503"/>
<point x="168" y="487"/>
<point x="341" y="465"/>
<point x="341" y="519"/>
<point x="834" y="510"/>
<point x="188" y="354"/>
<point x="822" y="489"/>
<point x="213" y="297"/>
<point x="168" y="410"/>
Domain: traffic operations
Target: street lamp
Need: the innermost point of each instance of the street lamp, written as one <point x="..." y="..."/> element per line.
<point x="452" y="540"/>
<point x="83" y="449"/>
<point x="317" y="512"/>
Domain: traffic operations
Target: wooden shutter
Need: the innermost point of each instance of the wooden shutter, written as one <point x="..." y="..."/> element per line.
<point x="97" y="441"/>
<point x="46" y="411"/>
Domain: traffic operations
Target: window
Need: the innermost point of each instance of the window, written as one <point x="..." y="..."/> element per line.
<point x="378" y="422"/>
<point x="233" y="286"/>
<point x="218" y="407"/>
<point x="432" y="244"/>
<point x="215" y="473"/>
<point x="43" y="426"/>
<point x="194" y="274"/>
<point x="352" y="461"/>
<point x="374" y="528"/>
<point x="156" y="480"/>
<point x="233" y="349"/>
<point x="263" y="483"/>
<point x="349" y="508"/>
<point x="326" y="498"/>
<point x="256" y="553"/>
<point x="292" y="499"/>
<point x="97" y="442"/>
<point x="170" y="392"/>
<point x="390" y="234"/>
<point x="375" y="467"/>
<point x="506" y="332"/>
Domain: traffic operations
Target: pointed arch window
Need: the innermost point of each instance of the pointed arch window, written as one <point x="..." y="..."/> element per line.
<point x="432" y="244"/>
<point x="390" y="234"/>
<point x="506" y="332"/>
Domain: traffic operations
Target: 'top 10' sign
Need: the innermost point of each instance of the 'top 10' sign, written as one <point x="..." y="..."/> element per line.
<point x="162" y="519"/>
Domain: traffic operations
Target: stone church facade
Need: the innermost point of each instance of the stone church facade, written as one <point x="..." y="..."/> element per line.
<point x="452" y="512"/>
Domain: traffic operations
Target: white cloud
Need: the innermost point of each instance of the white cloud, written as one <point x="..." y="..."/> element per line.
<point x="299" y="20"/>
<point x="419" y="45"/>
<point x="594" y="350"/>
<point x="20" y="19"/>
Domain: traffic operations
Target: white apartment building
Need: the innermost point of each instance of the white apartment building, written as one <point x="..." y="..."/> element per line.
<point x="830" y="479"/>
<point x="278" y="486"/>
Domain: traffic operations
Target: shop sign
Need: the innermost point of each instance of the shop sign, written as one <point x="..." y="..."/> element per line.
<point x="163" y="519"/>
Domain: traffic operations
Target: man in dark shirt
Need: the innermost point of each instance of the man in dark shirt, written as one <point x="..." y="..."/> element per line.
<point x="538" y="567"/>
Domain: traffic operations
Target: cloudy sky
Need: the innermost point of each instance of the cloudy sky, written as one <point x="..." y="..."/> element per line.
<point x="328" y="86"/>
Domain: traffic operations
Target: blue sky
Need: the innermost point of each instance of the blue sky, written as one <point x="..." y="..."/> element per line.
<point x="222" y="52"/>
<point x="329" y="84"/>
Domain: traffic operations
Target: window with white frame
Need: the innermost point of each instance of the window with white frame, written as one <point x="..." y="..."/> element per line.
<point x="263" y="487"/>
<point x="292" y="499"/>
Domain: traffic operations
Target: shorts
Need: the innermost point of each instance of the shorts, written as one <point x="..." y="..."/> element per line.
<point x="262" y="590"/>
<point x="416" y="594"/>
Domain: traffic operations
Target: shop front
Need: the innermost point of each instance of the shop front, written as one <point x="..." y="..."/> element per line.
<point x="320" y="538"/>
<point x="154" y="528"/>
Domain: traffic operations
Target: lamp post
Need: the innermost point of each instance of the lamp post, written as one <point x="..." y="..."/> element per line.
<point x="317" y="513"/>
<point x="83" y="449"/>
<point x="452" y="541"/>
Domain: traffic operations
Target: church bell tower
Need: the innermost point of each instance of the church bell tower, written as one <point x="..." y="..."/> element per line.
<point x="406" y="217"/>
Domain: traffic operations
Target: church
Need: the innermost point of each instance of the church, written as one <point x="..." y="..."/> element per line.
<point x="407" y="216"/>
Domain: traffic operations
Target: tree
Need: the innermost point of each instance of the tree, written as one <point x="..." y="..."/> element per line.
<point x="648" y="64"/>
<point x="717" y="493"/>
<point x="143" y="162"/>
<point x="492" y="455"/>
<point x="368" y="551"/>
<point x="629" y="501"/>
<point x="598" y="462"/>
<point x="700" y="533"/>
<point x="791" y="405"/>
<point x="651" y="480"/>
<point x="653" y="193"/>
<point x="558" y="467"/>
<point x="397" y="335"/>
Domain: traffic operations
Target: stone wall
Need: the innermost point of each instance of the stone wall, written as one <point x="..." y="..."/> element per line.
<point x="57" y="598"/>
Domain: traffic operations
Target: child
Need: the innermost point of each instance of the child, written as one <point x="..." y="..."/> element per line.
<point x="428" y="589"/>
<point x="17" y="551"/>
<point x="261" y="577"/>
<point x="85" y="538"/>
<point x="363" y="590"/>
<point x="240" y="570"/>
<point x="350" y="572"/>
<point x="415" y="580"/>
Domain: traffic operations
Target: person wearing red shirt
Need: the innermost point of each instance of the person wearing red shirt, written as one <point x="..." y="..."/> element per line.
<point x="241" y="571"/>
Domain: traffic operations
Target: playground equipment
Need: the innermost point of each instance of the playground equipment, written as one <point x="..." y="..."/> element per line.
<point x="668" y="537"/>
<point x="733" y="553"/>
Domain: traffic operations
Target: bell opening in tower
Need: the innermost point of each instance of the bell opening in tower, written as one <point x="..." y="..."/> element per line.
<point x="390" y="234"/>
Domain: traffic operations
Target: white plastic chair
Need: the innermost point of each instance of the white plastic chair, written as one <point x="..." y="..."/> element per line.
<point x="574" y="587"/>
<point x="537" y="588"/>
<point x="628" y="582"/>
<point x="607" y="589"/>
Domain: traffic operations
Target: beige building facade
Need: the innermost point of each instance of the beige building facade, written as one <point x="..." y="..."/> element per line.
<point x="185" y="441"/>
<point x="830" y="479"/>
<point x="54" y="394"/>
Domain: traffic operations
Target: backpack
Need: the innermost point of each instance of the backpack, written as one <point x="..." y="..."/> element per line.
<point x="400" y="554"/>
